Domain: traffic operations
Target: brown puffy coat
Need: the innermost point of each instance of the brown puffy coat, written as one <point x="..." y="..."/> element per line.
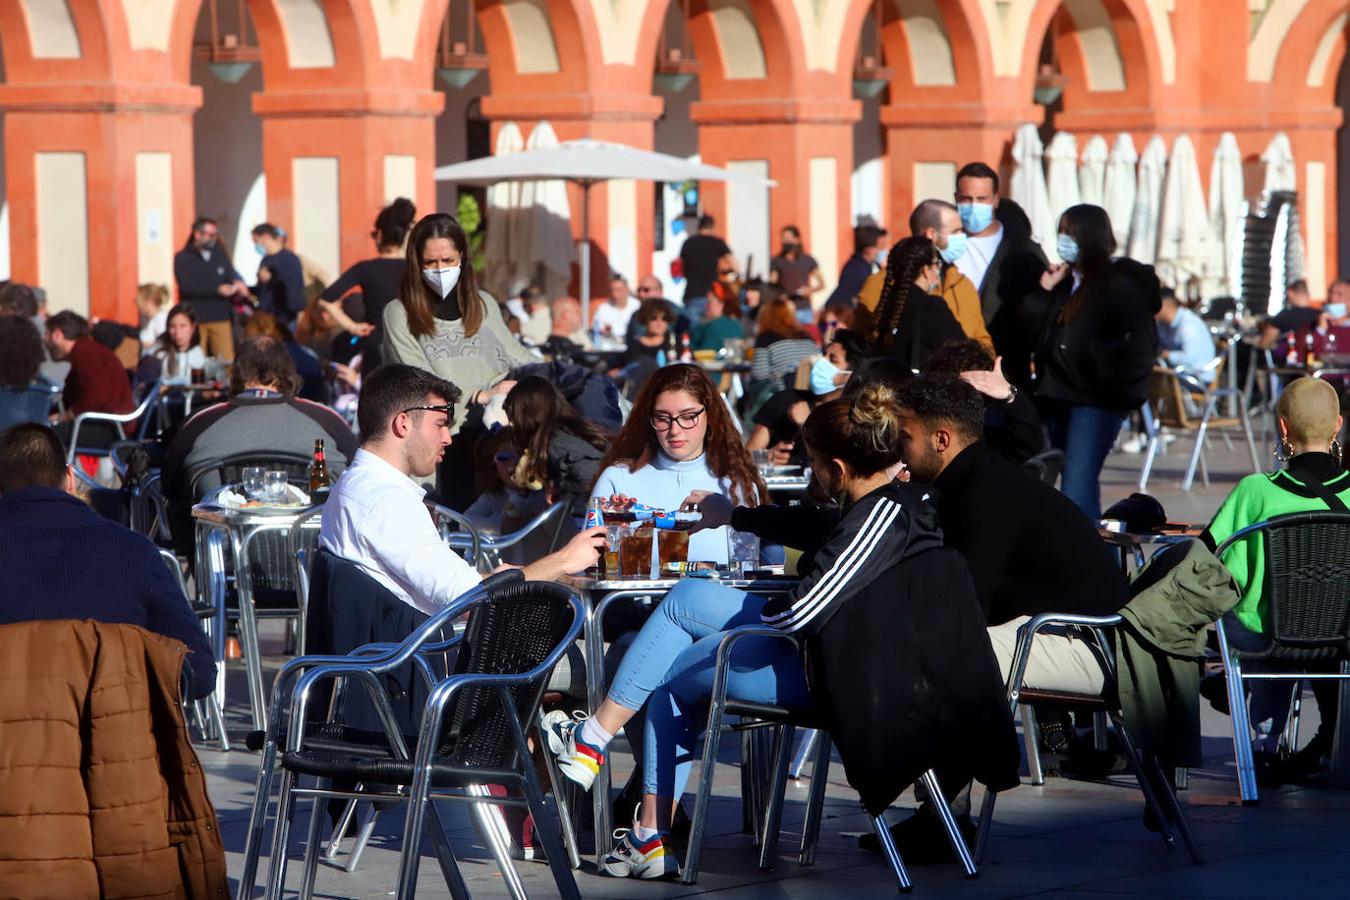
<point x="101" y="794"/>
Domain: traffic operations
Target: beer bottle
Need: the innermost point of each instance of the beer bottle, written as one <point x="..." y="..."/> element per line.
<point x="319" y="479"/>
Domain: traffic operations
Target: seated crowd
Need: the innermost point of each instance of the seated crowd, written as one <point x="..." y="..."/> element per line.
<point x="925" y="545"/>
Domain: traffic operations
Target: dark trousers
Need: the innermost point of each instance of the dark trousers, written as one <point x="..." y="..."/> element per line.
<point x="1085" y="434"/>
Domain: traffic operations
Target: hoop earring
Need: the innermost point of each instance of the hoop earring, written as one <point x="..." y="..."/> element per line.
<point x="1284" y="451"/>
<point x="1336" y="450"/>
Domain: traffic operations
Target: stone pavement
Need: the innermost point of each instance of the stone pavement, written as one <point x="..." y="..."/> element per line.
<point x="1068" y="839"/>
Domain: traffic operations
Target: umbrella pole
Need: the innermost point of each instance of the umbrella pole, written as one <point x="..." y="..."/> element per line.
<point x="585" y="249"/>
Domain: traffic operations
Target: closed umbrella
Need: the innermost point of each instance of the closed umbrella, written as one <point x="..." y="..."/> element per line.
<point x="1148" y="201"/>
<point x="549" y="222"/>
<point x="1226" y="194"/>
<point x="1119" y="187"/>
<point x="588" y="163"/>
<point x="1185" y="242"/>
<point x="1281" y="173"/>
<point x="1028" y="187"/>
<point x="1092" y="173"/>
<point x="503" y="205"/>
<point x="1062" y="174"/>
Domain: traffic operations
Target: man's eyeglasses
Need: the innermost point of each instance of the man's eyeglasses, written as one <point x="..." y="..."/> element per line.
<point x="447" y="408"/>
<point x="665" y="421"/>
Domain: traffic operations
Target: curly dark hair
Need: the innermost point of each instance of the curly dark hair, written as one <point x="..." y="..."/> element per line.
<point x="636" y="445"/>
<point x="944" y="399"/>
<point x="20" y="352"/>
<point x="955" y="357"/>
<point x="903" y="265"/>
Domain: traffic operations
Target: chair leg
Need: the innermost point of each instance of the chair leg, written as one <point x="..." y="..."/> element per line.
<point x="1174" y="810"/>
<point x="815" y="804"/>
<point x="883" y="833"/>
<point x="257" y="820"/>
<point x="773" y="815"/>
<point x="561" y="796"/>
<point x="1196" y="453"/>
<point x="492" y="828"/>
<point x="1033" y="744"/>
<point x="340" y="829"/>
<point x="454" y="880"/>
<point x="248" y="640"/>
<point x="704" y="796"/>
<point x="363" y="832"/>
<point x="311" y="868"/>
<point x="1242" y="731"/>
<point x="1155" y="787"/>
<point x="276" y="869"/>
<point x="809" y="738"/>
<point x="935" y="797"/>
<point x="1153" y="443"/>
<point x="544" y="829"/>
<point x="1291" y="725"/>
<point x="218" y="721"/>
<point x="986" y="824"/>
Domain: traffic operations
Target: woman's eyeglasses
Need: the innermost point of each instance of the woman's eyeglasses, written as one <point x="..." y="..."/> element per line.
<point x="665" y="421"/>
<point x="506" y="456"/>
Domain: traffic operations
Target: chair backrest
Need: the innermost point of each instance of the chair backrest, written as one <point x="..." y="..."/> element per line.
<point x="1307" y="582"/>
<point x="210" y="475"/>
<point x="1165" y="398"/>
<point x="26" y="404"/>
<point x="302" y="542"/>
<point x="512" y="631"/>
<point x="1048" y="465"/>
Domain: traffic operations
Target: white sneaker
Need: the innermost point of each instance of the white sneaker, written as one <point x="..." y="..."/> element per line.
<point x="578" y="761"/>
<point x="648" y="860"/>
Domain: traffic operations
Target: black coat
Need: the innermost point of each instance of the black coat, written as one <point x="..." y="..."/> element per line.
<point x="1103" y="355"/>
<point x="1015" y="267"/>
<point x="926" y="323"/>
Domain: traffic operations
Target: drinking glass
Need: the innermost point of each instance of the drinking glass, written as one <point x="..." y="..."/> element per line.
<point x="275" y="483"/>
<point x="672" y="551"/>
<point x="610" y="561"/>
<point x="742" y="551"/>
<point x="254" y="483"/>
<point x="635" y="550"/>
<point x="761" y="458"/>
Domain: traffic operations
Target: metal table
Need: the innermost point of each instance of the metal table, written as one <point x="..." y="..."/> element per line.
<point x="787" y="484"/>
<point x="598" y="595"/>
<point x="215" y="526"/>
<point x="1132" y="543"/>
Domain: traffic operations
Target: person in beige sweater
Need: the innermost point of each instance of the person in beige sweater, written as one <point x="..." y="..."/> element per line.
<point x="443" y="323"/>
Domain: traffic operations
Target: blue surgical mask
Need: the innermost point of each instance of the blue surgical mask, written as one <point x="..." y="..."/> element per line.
<point x="823" y="373"/>
<point x="955" y="249"/>
<point x="975" y="217"/>
<point x="1067" y="248"/>
<point x="881" y="257"/>
<point x="259" y="247"/>
<point x="1337" y="310"/>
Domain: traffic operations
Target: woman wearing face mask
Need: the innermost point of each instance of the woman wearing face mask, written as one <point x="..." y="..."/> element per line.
<point x="910" y="322"/>
<point x="1099" y="344"/>
<point x="868" y="554"/>
<point x="444" y="324"/>
<point x="778" y="422"/>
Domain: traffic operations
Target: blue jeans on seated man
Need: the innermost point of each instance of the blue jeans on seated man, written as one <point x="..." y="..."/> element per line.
<point x="670" y="667"/>
<point x="1085" y="434"/>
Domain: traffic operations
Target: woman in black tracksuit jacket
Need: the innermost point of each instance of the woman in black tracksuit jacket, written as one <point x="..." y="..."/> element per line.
<point x="884" y="537"/>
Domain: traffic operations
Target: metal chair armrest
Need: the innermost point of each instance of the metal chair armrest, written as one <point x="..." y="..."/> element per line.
<point x="116" y="418"/>
<point x="456" y="540"/>
<point x="510" y="540"/>
<point x="1026" y="635"/>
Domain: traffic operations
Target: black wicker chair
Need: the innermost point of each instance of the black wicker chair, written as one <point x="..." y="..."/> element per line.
<point x="471" y="733"/>
<point x="1307" y="590"/>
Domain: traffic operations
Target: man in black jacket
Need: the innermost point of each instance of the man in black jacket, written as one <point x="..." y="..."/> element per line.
<point x="1028" y="546"/>
<point x="208" y="282"/>
<point x="1001" y="259"/>
<point x="281" y="275"/>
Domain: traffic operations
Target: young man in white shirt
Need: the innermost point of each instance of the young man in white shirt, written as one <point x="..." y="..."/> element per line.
<point x="374" y="516"/>
<point x="611" y="318"/>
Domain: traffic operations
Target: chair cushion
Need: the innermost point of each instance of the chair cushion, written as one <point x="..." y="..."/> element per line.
<point x="337" y="751"/>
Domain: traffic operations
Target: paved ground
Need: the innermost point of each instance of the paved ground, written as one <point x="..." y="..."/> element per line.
<point x="1066" y="839"/>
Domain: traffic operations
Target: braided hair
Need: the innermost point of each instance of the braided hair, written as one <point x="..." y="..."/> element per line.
<point x="903" y="265"/>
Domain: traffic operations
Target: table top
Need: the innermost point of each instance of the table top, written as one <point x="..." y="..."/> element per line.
<point x="604" y="585"/>
<point x="1171" y="533"/>
<point x="220" y="515"/>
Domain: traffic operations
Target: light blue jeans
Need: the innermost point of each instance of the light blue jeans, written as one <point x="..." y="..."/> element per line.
<point x="670" y="668"/>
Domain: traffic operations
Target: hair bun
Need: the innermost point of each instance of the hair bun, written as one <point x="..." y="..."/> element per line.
<point x="876" y="413"/>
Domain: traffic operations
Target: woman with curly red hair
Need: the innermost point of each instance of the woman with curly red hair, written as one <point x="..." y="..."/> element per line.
<point x="680" y="438"/>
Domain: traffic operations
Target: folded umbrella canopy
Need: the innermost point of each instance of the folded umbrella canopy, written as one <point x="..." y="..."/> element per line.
<point x="1281" y="173"/>
<point x="587" y="163"/>
<point x="1092" y="173"/>
<point x="1119" y="188"/>
<point x="1148" y="202"/>
<point x="1028" y="188"/>
<point x="1226" y="193"/>
<point x="1185" y="242"/>
<point x="503" y="215"/>
<point x="548" y="226"/>
<point x="1062" y="176"/>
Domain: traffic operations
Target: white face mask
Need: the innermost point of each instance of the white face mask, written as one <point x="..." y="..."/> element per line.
<point x="442" y="281"/>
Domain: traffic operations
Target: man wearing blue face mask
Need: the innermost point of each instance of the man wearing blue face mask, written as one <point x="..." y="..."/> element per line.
<point x="939" y="221"/>
<point x="281" y="278"/>
<point x="998" y="245"/>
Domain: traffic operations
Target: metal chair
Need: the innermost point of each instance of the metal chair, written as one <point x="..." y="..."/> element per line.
<point x="1307" y="570"/>
<point x="759" y="715"/>
<point x="212" y="704"/>
<point x="1153" y="782"/>
<point x="142" y="413"/>
<point x="1168" y="397"/>
<point x="1047" y="465"/>
<point x="148" y="513"/>
<point x="461" y="534"/>
<point x="490" y="548"/>
<point x="472" y="734"/>
<point x="33" y="403"/>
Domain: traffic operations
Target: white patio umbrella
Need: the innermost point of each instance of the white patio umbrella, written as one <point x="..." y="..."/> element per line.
<point x="1148" y="202"/>
<point x="548" y="216"/>
<point x="1092" y="172"/>
<point x="1226" y="193"/>
<point x="1119" y="187"/>
<point x="1281" y="173"/>
<point x="1062" y="174"/>
<point x="1185" y="242"/>
<point x="1028" y="187"/>
<point x="503" y="205"/>
<point x="587" y="163"/>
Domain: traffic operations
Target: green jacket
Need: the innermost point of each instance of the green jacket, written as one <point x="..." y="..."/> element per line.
<point x="1160" y="648"/>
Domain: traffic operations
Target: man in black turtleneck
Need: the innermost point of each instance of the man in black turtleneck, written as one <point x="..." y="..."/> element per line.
<point x="1029" y="548"/>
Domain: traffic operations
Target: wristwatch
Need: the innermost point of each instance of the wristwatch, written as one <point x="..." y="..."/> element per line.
<point x="1012" y="394"/>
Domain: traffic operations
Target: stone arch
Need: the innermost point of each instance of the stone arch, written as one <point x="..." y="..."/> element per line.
<point x="939" y="48"/>
<point x="43" y="40"/>
<point x="1309" y="54"/>
<point x="1110" y="53"/>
